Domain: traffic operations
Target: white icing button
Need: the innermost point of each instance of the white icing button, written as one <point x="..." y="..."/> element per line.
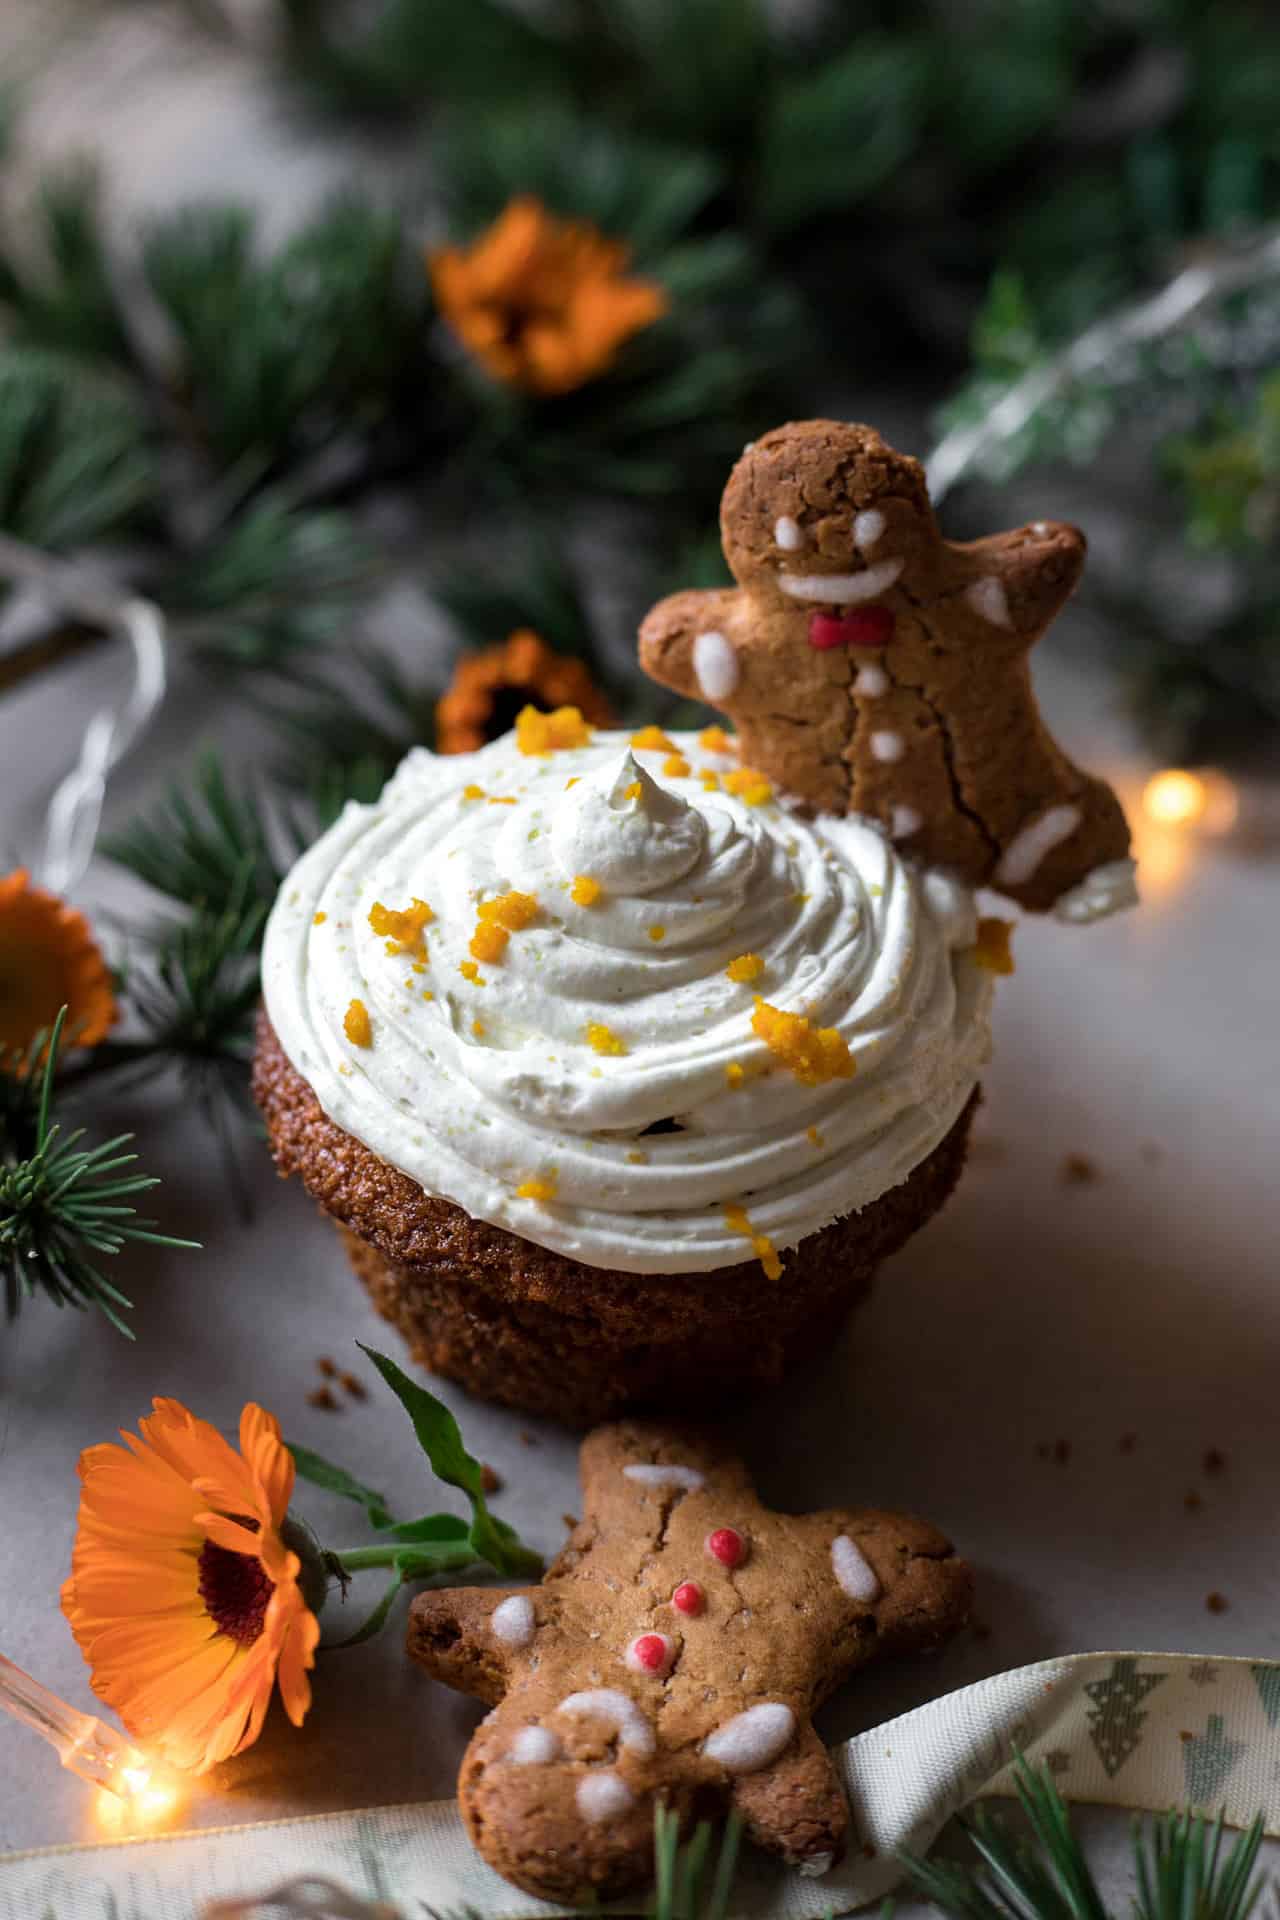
<point x="660" y="1649"/>
<point x="841" y="589"/>
<point x="854" y="1575"/>
<point x="904" y="821"/>
<point x="1110" y="888"/>
<point x="888" y="746"/>
<point x="619" y="1710"/>
<point x="1031" y="843"/>
<point x="602" y="1795"/>
<point x="660" y="1475"/>
<point x="871" y="682"/>
<point x="715" y="664"/>
<point x="867" y="528"/>
<point x="513" y="1622"/>
<point x="786" y="534"/>
<point x="534" y="1747"/>
<point x="988" y="598"/>
<point x="753" y="1739"/>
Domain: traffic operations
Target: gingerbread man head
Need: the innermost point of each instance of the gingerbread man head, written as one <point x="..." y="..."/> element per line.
<point x="675" y="1653"/>
<point x="871" y="666"/>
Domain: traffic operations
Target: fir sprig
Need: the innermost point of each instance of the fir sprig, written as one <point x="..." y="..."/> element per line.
<point x="64" y="1206"/>
<point x="1182" y="1868"/>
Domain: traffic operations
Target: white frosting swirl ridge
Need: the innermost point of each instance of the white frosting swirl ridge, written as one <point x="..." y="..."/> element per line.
<point x="475" y="1088"/>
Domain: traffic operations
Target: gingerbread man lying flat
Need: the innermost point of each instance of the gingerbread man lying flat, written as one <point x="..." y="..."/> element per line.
<point x="870" y="666"/>
<point x="675" y="1651"/>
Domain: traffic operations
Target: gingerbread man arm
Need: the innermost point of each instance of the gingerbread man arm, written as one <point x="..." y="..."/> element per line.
<point x="468" y="1636"/>
<point x="904" y="1588"/>
<point x="687" y="643"/>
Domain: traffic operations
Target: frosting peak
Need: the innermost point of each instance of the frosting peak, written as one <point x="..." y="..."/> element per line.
<point x="618" y="826"/>
<point x="595" y="1072"/>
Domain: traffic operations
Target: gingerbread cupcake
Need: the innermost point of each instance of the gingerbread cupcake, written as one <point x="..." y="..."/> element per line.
<point x="619" y="1063"/>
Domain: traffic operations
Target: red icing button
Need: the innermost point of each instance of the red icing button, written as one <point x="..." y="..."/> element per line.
<point x="727" y="1546"/>
<point x="649" y="1653"/>
<point x="863" y="627"/>
<point x="688" y="1597"/>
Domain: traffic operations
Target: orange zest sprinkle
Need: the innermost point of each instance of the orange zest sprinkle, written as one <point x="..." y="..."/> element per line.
<point x="710" y="781"/>
<point x="652" y="740"/>
<point x="735" y="1073"/>
<point x="675" y="766"/>
<point x="488" y="943"/>
<point x="657" y="932"/>
<point x="427" y="994"/>
<point x="814" y="1054"/>
<point x="510" y="910"/>
<point x="814" y="1138"/>
<point x="602" y="1039"/>
<point x="477" y="1027"/>
<point x="638" y="1158"/>
<point x="715" y="740"/>
<point x="502" y="800"/>
<point x="538" y="733"/>
<point x="749" y="785"/>
<point x="318" y="919"/>
<point x="747" y="967"/>
<point x="992" y="950"/>
<point x="472" y="792"/>
<point x="538" y="1187"/>
<point x="402" y="927"/>
<point x="470" y="971"/>
<point x="543" y="303"/>
<point x="356" y="1024"/>
<point x="572" y="781"/>
<point x="585" y="891"/>
<point x="735" y="1218"/>
<point x="633" y="791"/>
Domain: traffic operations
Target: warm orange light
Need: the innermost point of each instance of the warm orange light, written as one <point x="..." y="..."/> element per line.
<point x="1175" y="798"/>
<point x="149" y="1795"/>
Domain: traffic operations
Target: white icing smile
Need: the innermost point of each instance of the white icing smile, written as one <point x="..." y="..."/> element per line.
<point x="842" y="589"/>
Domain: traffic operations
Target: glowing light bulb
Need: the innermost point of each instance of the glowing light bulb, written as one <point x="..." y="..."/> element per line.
<point x="1175" y="798"/>
<point x="133" y="1793"/>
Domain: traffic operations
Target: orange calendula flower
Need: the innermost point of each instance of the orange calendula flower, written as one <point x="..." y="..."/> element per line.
<point x="491" y="687"/>
<point x="49" y="959"/>
<point x="543" y="303"/>
<point x="185" y="1594"/>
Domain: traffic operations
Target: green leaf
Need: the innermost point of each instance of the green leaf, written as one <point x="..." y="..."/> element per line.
<point x="75" y="465"/>
<point x="438" y="1436"/>
<point x="323" y="1473"/>
<point x="835" y="135"/>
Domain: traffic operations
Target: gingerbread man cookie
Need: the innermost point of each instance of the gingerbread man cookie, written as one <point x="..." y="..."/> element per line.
<point x="870" y="666"/>
<point x="676" y="1651"/>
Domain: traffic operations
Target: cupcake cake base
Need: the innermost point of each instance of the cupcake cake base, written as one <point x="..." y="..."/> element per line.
<point x="520" y="1324"/>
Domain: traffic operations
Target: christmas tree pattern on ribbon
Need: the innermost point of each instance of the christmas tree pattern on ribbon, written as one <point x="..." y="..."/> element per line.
<point x="1210" y="1759"/>
<point x="1116" y="1717"/>
<point x="1266" y="1678"/>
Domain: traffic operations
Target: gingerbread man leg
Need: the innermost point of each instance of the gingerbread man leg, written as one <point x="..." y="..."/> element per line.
<point x="796" y="1807"/>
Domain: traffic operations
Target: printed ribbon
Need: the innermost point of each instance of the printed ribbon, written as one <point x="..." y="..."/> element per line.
<point x="1137" y="1730"/>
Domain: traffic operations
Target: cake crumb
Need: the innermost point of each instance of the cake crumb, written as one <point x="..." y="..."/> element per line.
<point x="323" y="1398"/>
<point x="570" y="1520"/>
<point x="1128" y="1442"/>
<point x="356" y="1388"/>
<point x="490" y="1480"/>
<point x="1216" y="1602"/>
<point x="1078" y="1170"/>
<point x="1214" y="1461"/>
<point x="1192" y="1501"/>
<point x="326" y="1366"/>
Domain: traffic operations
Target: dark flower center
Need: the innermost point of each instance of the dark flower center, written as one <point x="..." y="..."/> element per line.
<point x="235" y="1589"/>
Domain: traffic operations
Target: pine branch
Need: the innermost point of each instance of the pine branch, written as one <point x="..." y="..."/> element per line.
<point x="63" y="1206"/>
<point x="206" y="847"/>
<point x="64" y="298"/>
<point x="75" y="463"/>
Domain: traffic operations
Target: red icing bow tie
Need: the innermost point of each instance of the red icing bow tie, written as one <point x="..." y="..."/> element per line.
<point x="863" y="627"/>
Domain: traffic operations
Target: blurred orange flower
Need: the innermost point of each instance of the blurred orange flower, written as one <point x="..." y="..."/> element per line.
<point x="543" y="303"/>
<point x="184" y="1597"/>
<point x="490" y="688"/>
<point x="48" y="959"/>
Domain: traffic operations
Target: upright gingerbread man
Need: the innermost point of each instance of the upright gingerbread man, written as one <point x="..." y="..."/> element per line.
<point x="675" y="1651"/>
<point x="870" y="666"/>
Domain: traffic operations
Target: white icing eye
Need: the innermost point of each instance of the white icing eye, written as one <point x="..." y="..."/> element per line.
<point x="663" y="1476"/>
<point x="867" y="528"/>
<point x="715" y="665"/>
<point x="787" y="534"/>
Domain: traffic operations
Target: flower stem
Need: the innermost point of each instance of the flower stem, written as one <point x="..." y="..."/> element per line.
<point x="394" y="1553"/>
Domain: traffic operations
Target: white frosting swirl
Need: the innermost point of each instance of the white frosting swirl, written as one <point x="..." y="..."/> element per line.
<point x="473" y="1090"/>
